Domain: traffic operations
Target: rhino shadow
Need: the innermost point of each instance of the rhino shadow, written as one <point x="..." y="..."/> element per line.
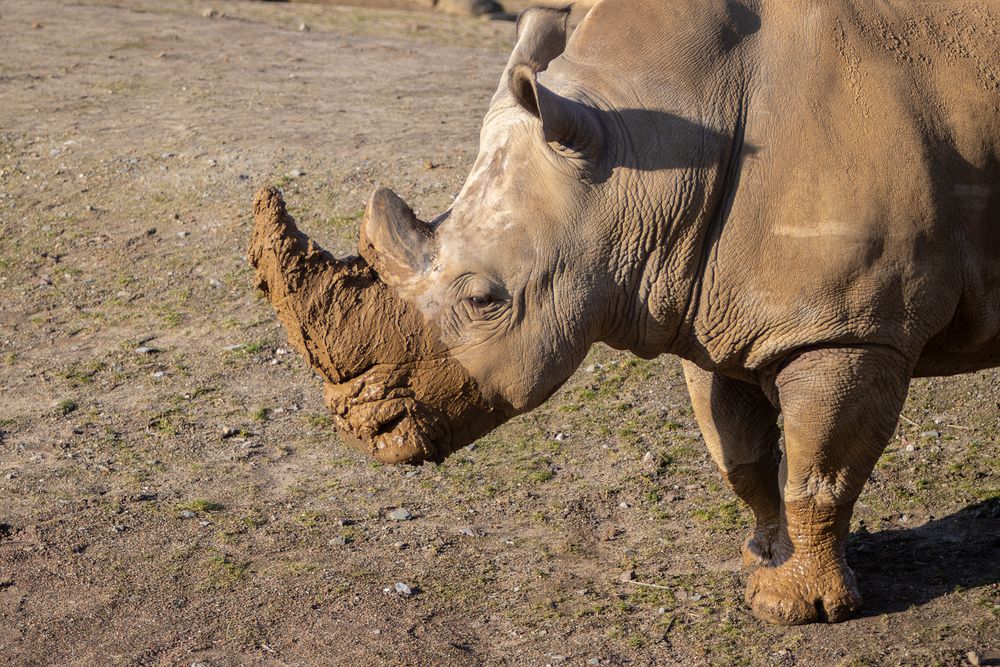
<point x="901" y="568"/>
<point x="679" y="143"/>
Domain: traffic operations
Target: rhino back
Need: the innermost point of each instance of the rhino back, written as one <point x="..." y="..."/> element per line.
<point x="866" y="205"/>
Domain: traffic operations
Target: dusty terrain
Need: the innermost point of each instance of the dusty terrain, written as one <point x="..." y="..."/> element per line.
<point x="171" y="489"/>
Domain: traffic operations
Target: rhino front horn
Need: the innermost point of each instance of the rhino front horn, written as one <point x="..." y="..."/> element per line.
<point x="397" y="244"/>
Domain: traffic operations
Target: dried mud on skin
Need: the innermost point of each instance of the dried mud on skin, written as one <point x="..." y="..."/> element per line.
<point x="392" y="388"/>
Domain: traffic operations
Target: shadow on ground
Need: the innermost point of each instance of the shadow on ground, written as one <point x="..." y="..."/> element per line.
<point x="901" y="568"/>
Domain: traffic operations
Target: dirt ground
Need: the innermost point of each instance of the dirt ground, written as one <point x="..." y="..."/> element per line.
<point x="171" y="490"/>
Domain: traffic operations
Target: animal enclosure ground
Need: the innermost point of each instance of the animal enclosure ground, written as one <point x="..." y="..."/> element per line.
<point x="171" y="490"/>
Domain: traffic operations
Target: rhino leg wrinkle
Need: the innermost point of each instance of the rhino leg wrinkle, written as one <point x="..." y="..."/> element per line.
<point x="393" y="390"/>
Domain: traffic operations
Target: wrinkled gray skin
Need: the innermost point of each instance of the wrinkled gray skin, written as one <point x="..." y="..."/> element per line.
<point x="800" y="199"/>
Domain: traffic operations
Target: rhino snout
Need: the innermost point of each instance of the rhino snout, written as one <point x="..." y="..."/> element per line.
<point x="392" y="387"/>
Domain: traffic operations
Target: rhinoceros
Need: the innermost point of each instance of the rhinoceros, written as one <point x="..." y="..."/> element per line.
<point x="801" y="200"/>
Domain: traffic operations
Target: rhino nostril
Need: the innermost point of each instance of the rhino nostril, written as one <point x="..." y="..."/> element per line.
<point x="390" y="425"/>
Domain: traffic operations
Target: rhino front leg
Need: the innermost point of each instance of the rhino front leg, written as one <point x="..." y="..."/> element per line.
<point x="840" y="408"/>
<point x="740" y="427"/>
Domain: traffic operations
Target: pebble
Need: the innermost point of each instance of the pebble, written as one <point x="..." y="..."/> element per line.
<point x="183" y="234"/>
<point x="973" y="658"/>
<point x="648" y="457"/>
<point x="627" y="575"/>
<point x="303" y="27"/>
<point x="400" y="514"/>
<point x="560" y="436"/>
<point x="145" y="350"/>
<point x="931" y="434"/>
<point x="910" y="448"/>
<point x="229" y="431"/>
<point x="296" y="173"/>
<point x="594" y="661"/>
<point x="467" y="531"/>
<point x="338" y="542"/>
<point x="210" y="13"/>
<point x="158" y="374"/>
<point x="403" y="590"/>
<point x="187" y="514"/>
<point x="214" y="283"/>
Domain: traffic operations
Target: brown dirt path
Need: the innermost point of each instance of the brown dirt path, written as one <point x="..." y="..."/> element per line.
<point x="132" y="136"/>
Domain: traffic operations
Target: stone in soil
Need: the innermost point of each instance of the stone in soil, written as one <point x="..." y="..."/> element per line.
<point x="400" y="514"/>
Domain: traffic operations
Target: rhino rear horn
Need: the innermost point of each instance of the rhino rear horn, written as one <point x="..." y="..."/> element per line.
<point x="393" y="240"/>
<point x="541" y="37"/>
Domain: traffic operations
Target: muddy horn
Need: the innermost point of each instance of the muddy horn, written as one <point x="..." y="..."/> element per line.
<point x="391" y="387"/>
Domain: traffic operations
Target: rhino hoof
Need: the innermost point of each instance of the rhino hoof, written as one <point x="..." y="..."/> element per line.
<point x="780" y="596"/>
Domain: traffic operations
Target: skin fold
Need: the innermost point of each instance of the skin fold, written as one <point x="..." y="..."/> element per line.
<point x="801" y="199"/>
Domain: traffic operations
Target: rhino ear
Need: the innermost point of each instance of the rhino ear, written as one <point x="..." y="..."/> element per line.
<point x="393" y="240"/>
<point x="566" y="122"/>
<point x="541" y="37"/>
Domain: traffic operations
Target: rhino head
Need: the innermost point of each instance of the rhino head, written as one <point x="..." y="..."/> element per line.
<point x="440" y="331"/>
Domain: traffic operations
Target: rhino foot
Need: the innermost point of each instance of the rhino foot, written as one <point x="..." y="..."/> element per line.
<point x="757" y="547"/>
<point x="797" y="592"/>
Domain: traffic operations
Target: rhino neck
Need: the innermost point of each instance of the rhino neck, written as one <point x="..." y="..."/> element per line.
<point x="663" y="252"/>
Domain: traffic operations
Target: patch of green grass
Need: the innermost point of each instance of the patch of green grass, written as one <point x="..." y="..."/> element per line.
<point x="725" y="516"/>
<point x="201" y="506"/>
<point x="318" y="419"/>
<point x="225" y="572"/>
<point x="310" y="519"/>
<point x="66" y="406"/>
<point x="261" y="415"/>
<point x="83" y="373"/>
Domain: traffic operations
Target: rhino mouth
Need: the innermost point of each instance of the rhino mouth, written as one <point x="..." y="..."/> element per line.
<point x="380" y="415"/>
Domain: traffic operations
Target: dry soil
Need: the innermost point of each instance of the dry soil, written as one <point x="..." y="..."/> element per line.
<point x="171" y="489"/>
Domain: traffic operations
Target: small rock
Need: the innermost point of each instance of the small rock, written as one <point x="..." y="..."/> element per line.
<point x="303" y="27"/>
<point x="187" y="514"/>
<point x="973" y="658"/>
<point x="120" y="528"/>
<point x="183" y="234"/>
<point x="403" y="590"/>
<point x="158" y="374"/>
<point x="210" y="13"/>
<point x="627" y="575"/>
<point x="338" y="542"/>
<point x="214" y="283"/>
<point x="623" y="505"/>
<point x="931" y="434"/>
<point x="648" y="457"/>
<point x="696" y="596"/>
<point x="229" y="432"/>
<point x="467" y="531"/>
<point x="559" y="437"/>
<point x="594" y="661"/>
<point x="296" y="173"/>
<point x="145" y="350"/>
<point x="910" y="448"/>
<point x="400" y="514"/>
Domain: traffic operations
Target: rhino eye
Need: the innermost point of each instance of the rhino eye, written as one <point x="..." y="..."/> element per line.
<point x="480" y="300"/>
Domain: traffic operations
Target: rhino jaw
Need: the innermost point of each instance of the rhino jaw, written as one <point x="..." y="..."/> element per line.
<point x="392" y="388"/>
